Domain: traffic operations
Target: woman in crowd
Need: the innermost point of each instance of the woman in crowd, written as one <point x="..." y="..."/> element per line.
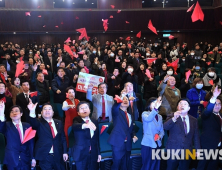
<point x="140" y="72"/>
<point x="211" y="78"/>
<point x="163" y="71"/>
<point x="14" y="88"/>
<point x="196" y="95"/>
<point x="152" y="134"/>
<point x="69" y="106"/>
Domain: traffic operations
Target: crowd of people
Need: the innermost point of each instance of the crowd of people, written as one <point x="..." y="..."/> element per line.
<point x="165" y="86"/>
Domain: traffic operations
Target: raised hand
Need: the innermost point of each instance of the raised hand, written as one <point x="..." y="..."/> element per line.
<point x="91" y="126"/>
<point x="31" y="106"/>
<point x="158" y="102"/>
<point x="177" y="114"/>
<point x="216" y="92"/>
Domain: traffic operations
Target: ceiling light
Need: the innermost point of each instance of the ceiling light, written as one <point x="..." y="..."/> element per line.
<point x="92" y="3"/>
<point x="46" y="32"/>
<point x="142" y="1"/>
<point x="14" y="32"/>
<point x="178" y="31"/>
<point x="131" y="31"/>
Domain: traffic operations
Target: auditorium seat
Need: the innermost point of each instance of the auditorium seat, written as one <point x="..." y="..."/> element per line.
<point x="105" y="148"/>
<point x="58" y="106"/>
<point x="182" y="68"/>
<point x="2" y="149"/>
<point x="135" y="158"/>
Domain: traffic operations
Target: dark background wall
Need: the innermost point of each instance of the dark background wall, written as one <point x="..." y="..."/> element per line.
<point x="168" y="20"/>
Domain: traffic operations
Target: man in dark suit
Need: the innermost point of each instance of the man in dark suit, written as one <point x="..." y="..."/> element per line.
<point x="7" y="100"/>
<point x="85" y="151"/>
<point x="22" y="100"/>
<point x="17" y="155"/>
<point x="211" y="134"/>
<point x="10" y="66"/>
<point x="50" y="62"/>
<point x="51" y="147"/>
<point x="183" y="132"/>
<point x="136" y="103"/>
<point x="122" y="135"/>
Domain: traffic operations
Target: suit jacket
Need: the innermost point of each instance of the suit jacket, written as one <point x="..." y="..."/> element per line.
<point x="112" y="91"/>
<point x="137" y="106"/>
<point x="211" y="125"/>
<point x="152" y="127"/>
<point x="53" y="67"/>
<point x="177" y="137"/>
<point x="11" y="72"/>
<point x="96" y="99"/>
<point x="22" y="102"/>
<point x="14" y="149"/>
<point x="46" y="141"/>
<point x="121" y="130"/>
<point x="83" y="140"/>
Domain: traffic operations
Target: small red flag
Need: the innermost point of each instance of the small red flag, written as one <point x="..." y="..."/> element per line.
<point x="211" y="82"/>
<point x="171" y="37"/>
<point x="118" y="11"/>
<point x="118" y="99"/>
<point x="190" y="9"/>
<point x="151" y="27"/>
<point x="138" y="35"/>
<point x="128" y="38"/>
<point x="127" y="22"/>
<point x="33" y="94"/>
<point x="112" y="6"/>
<point x="197" y="13"/>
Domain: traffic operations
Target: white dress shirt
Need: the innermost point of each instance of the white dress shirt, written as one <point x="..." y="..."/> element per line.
<point x="130" y="119"/>
<point x="83" y="126"/>
<point x="65" y="105"/>
<point x="21" y="128"/>
<point x="187" y="122"/>
<point x="32" y="114"/>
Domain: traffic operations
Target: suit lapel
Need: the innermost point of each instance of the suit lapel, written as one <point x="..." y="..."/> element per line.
<point x="56" y="125"/>
<point x="181" y="124"/>
<point x="217" y="119"/>
<point x="124" y="117"/>
<point x="46" y="125"/>
<point x="24" y="129"/>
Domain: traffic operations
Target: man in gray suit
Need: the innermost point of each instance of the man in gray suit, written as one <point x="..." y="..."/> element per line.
<point x="102" y="103"/>
<point x="183" y="133"/>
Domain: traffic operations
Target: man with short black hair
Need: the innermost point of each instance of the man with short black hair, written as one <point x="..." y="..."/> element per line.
<point x="51" y="147"/>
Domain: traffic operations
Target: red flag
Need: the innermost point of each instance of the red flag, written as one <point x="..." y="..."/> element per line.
<point x="174" y="65"/>
<point x="211" y="82"/>
<point x="171" y="37"/>
<point x="205" y="103"/>
<point x="150" y="60"/>
<point x="151" y="27"/>
<point x="118" y="11"/>
<point x="68" y="40"/>
<point x="156" y="137"/>
<point x="67" y="95"/>
<point x="83" y="33"/>
<point x="127" y="22"/>
<point x="87" y="70"/>
<point x="73" y="41"/>
<point x="148" y="73"/>
<point x="39" y="16"/>
<point x="77" y="17"/>
<point x="44" y="26"/>
<point x="103" y="128"/>
<point x="138" y="35"/>
<point x="105" y="24"/>
<point x="35" y="93"/>
<point x="117" y="60"/>
<point x="81" y="52"/>
<point x="197" y="13"/>
<point x="57" y="26"/>
<point x="45" y="72"/>
<point x="3" y="78"/>
<point x="112" y="6"/>
<point x="68" y="49"/>
<point x="19" y="68"/>
<point x="129" y="46"/>
<point x="29" y="134"/>
<point x="219" y="52"/>
<point x="211" y="52"/>
<point x="118" y="99"/>
<point x="27" y="13"/>
<point x="111" y="16"/>
<point x="188" y="73"/>
<point x="121" y="38"/>
<point x="128" y="38"/>
<point x="190" y="9"/>
<point x="208" y="63"/>
<point x="3" y="99"/>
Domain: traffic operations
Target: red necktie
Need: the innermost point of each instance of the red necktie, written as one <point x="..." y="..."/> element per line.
<point x="127" y="118"/>
<point x="52" y="130"/>
<point x="3" y="99"/>
<point x="19" y="131"/>
<point x="103" y="109"/>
